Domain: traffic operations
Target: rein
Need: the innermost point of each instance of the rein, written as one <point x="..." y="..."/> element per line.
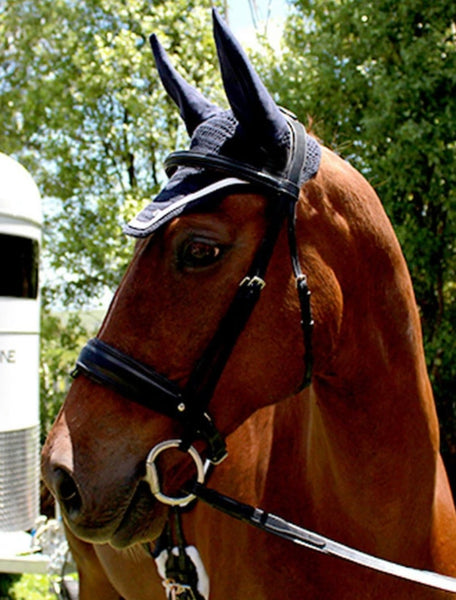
<point x="304" y="537"/>
<point x="280" y="527"/>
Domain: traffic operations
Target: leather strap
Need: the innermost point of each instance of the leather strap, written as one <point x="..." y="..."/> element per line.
<point x="228" y="166"/>
<point x="108" y="366"/>
<point x="304" y="537"/>
<point x="207" y="372"/>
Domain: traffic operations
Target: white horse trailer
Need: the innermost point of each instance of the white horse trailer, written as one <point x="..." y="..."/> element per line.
<point x="28" y="543"/>
<point x="20" y="234"/>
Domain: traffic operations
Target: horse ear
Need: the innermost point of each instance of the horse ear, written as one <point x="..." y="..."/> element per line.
<point x="193" y="106"/>
<point x="250" y="101"/>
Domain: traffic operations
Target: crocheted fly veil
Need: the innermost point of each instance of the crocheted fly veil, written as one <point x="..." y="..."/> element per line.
<point x="255" y="132"/>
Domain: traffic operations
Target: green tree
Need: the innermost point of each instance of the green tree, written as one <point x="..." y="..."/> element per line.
<point x="82" y="108"/>
<point x="379" y="78"/>
<point x="63" y="336"/>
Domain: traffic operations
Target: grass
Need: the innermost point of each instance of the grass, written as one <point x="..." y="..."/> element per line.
<point x="30" y="587"/>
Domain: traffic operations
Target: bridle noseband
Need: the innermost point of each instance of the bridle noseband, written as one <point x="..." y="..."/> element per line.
<point x="111" y="367"/>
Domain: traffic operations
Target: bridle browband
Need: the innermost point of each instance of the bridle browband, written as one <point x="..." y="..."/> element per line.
<point x="113" y="368"/>
<point x="229" y="166"/>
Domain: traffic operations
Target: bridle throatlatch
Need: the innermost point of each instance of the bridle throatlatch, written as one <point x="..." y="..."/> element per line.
<point x="113" y="368"/>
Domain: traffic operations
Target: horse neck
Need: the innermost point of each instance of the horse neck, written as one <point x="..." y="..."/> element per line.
<point x="354" y="456"/>
<point x="358" y="466"/>
<point x="372" y="436"/>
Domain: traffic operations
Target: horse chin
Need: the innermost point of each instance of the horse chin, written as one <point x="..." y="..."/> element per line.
<point x="145" y="518"/>
<point x="143" y="521"/>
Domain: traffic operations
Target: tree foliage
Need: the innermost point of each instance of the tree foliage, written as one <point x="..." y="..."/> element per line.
<point x="379" y="78"/>
<point x="82" y="108"/>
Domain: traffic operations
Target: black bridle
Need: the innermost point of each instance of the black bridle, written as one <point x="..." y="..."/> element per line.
<point x="109" y="366"/>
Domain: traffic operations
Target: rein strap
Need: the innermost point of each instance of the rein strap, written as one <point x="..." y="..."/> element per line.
<point x="304" y="537"/>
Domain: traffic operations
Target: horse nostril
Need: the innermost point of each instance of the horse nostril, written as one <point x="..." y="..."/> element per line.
<point x="66" y="491"/>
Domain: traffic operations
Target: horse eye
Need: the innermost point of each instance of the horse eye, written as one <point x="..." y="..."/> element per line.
<point x="197" y="254"/>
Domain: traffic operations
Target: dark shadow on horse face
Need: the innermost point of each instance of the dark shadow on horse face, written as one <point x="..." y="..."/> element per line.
<point x="166" y="310"/>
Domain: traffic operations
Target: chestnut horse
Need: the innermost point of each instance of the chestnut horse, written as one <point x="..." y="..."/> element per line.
<point x="353" y="456"/>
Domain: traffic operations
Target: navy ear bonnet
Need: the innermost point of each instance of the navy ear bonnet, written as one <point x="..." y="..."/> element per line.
<point x="254" y="135"/>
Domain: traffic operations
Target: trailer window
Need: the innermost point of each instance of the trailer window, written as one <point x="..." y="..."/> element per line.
<point x="19" y="259"/>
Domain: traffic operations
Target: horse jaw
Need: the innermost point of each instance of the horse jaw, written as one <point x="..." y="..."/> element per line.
<point x="96" y="422"/>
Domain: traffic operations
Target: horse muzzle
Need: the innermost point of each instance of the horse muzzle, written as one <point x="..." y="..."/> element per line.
<point x="121" y="509"/>
<point x="126" y="517"/>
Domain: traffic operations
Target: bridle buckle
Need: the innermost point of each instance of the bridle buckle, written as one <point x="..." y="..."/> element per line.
<point x="254" y="281"/>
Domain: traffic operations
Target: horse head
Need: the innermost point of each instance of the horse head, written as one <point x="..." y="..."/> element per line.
<point x="197" y="242"/>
